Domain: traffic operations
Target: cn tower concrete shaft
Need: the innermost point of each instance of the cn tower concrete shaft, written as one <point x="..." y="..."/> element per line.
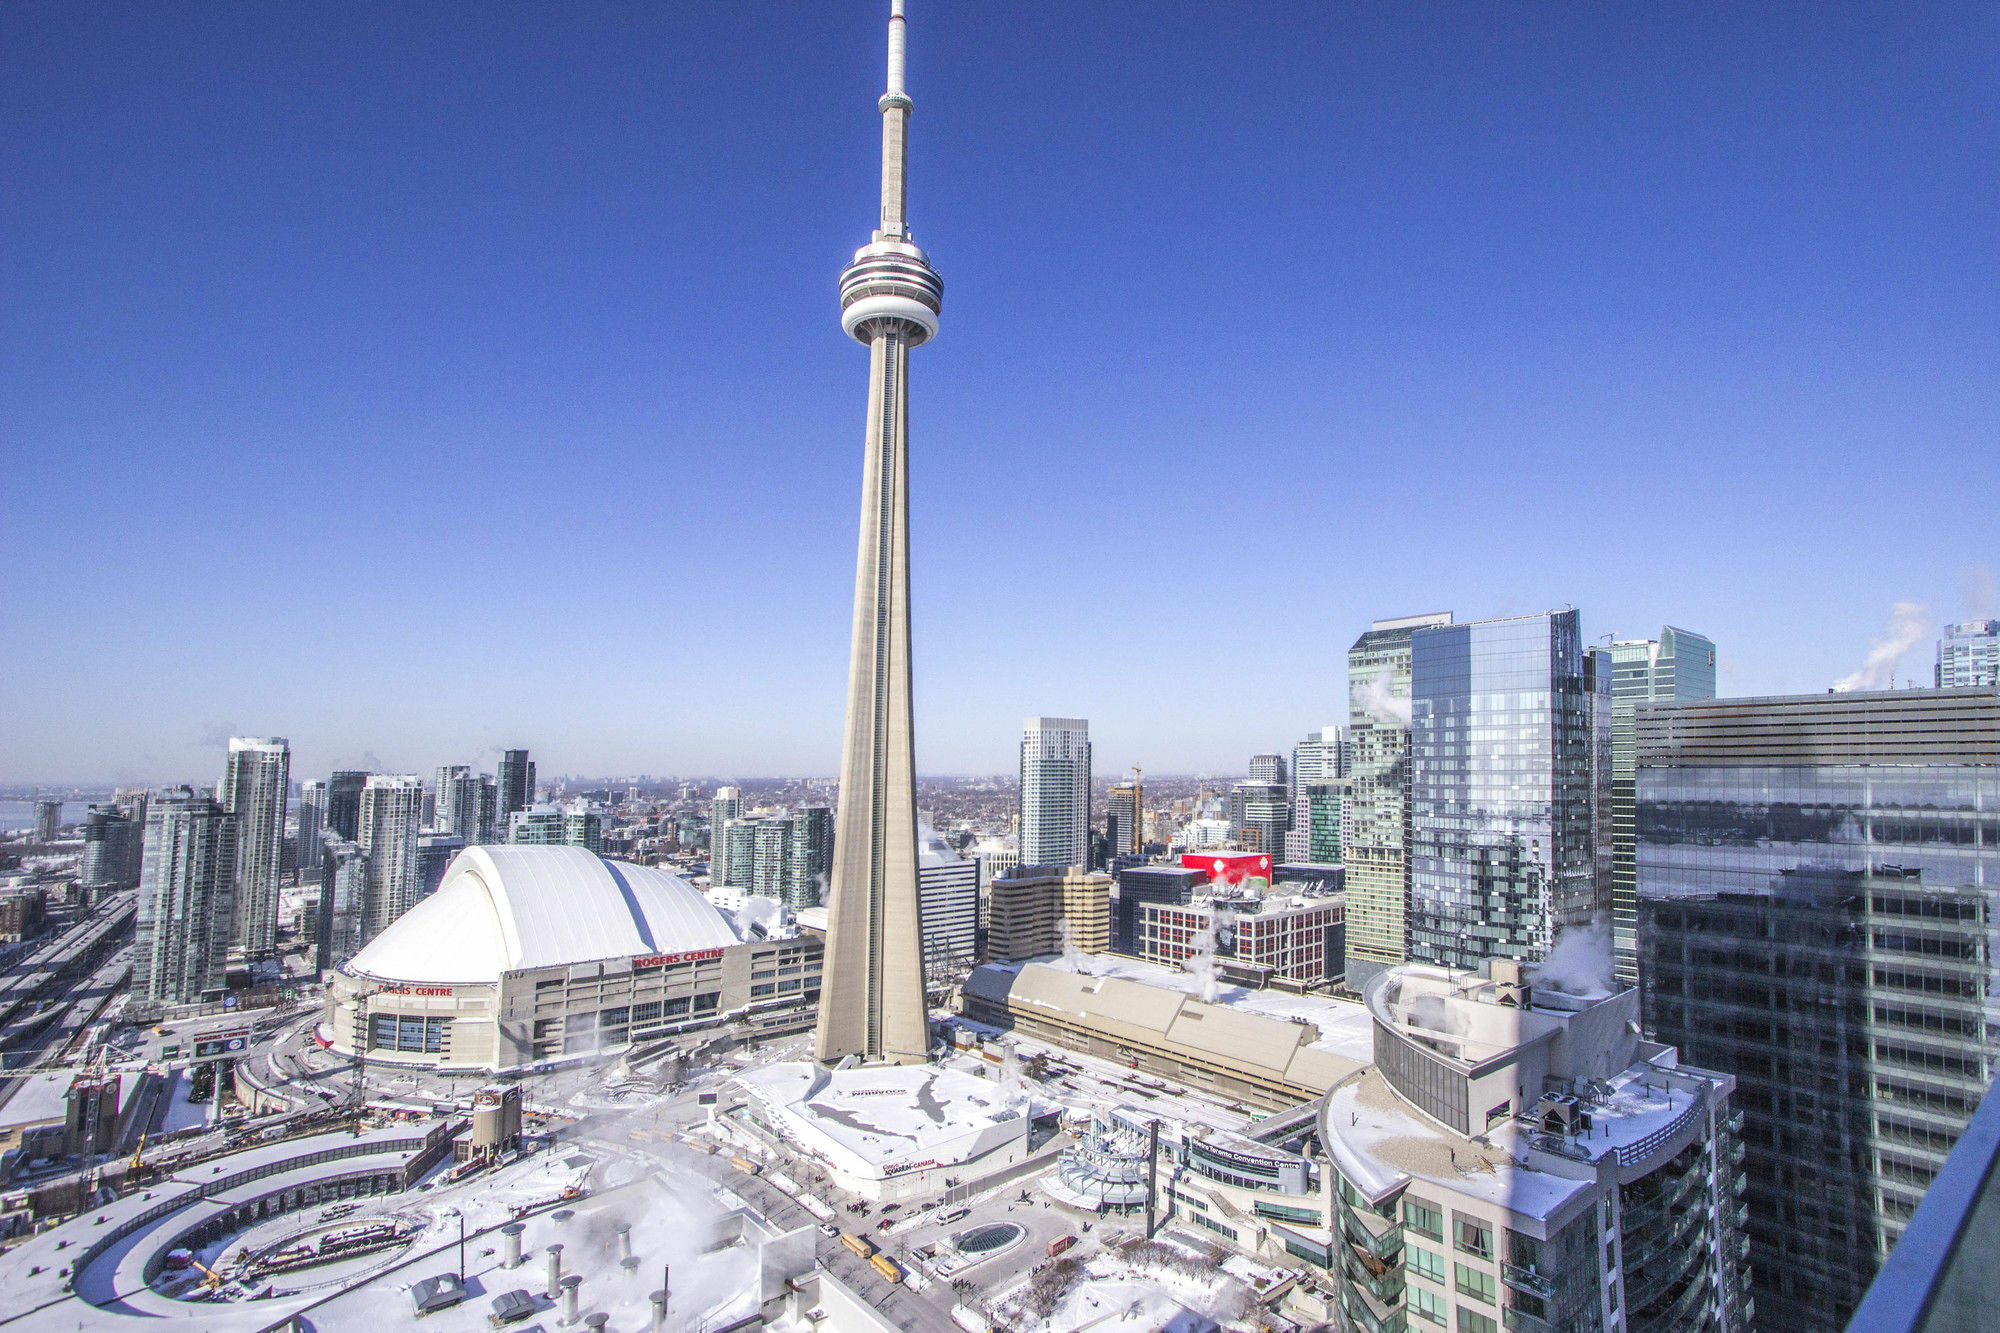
<point x="871" y="1001"/>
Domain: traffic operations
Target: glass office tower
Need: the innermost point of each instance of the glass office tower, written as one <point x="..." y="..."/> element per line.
<point x="1676" y="667"/>
<point x="1969" y="654"/>
<point x="1324" y="809"/>
<point x="1816" y="879"/>
<point x="1378" y="826"/>
<point x="1509" y="740"/>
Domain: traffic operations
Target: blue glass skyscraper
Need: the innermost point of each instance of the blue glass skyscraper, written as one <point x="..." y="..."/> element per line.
<point x="1509" y="776"/>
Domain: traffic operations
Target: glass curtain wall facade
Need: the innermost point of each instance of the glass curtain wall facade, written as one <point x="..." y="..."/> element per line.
<point x="517" y="783"/>
<point x="1319" y="758"/>
<point x="727" y="805"/>
<point x="113" y="850"/>
<point x="466" y="804"/>
<point x="343" y="803"/>
<point x="1678" y="666"/>
<point x="1509" y="741"/>
<point x="1323" y="808"/>
<point x="1377" y="831"/>
<point x="1816" y="880"/>
<point x="812" y="856"/>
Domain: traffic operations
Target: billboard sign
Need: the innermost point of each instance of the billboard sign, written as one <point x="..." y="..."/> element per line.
<point x="1230" y="869"/>
<point x="221" y="1045"/>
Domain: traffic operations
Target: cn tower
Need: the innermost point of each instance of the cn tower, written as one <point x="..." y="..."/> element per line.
<point x="871" y="1004"/>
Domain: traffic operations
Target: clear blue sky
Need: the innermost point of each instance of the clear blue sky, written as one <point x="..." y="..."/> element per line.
<point x="412" y="380"/>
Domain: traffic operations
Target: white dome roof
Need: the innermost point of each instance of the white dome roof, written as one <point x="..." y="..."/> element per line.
<point x="504" y="909"/>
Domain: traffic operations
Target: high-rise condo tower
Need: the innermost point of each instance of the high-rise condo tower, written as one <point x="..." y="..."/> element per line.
<point x="1055" y="791"/>
<point x="256" y="782"/>
<point x="872" y="1003"/>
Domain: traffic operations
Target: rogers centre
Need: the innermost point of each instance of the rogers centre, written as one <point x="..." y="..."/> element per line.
<point x="528" y="955"/>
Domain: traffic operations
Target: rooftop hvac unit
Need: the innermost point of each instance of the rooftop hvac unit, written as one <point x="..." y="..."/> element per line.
<point x="1563" y="1115"/>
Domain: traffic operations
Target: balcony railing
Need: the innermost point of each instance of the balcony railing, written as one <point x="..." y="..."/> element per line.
<point x="1633" y="1153"/>
<point x="1681" y="1314"/>
<point x="1368" y="1231"/>
<point x="1522" y="1322"/>
<point x="1644" y="1211"/>
<point x="1670" y="1239"/>
<point x="1528" y="1280"/>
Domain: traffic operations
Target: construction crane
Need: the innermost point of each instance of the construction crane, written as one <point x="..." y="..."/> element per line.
<point x="213" y="1280"/>
<point x="136" y="1151"/>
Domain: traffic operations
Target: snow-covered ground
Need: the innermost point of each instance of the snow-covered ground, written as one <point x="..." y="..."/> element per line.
<point x="180" y="1112"/>
<point x="1139" y="1289"/>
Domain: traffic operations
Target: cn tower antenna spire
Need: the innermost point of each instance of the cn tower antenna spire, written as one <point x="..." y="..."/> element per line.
<point x="896" y="107"/>
<point x="872" y="1005"/>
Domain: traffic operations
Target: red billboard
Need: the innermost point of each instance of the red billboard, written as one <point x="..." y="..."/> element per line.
<point x="1230" y="869"/>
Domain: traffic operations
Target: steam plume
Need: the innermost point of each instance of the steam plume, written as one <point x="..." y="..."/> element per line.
<point x="1908" y="622"/>
<point x="1379" y="699"/>
<point x="1580" y="963"/>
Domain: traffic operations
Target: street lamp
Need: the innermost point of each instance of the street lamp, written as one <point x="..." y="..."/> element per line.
<point x="459" y="1213"/>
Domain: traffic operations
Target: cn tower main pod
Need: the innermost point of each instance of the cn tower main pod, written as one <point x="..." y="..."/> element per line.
<point x="872" y="995"/>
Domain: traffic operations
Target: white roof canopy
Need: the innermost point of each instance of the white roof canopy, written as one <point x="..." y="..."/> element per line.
<point x="506" y="909"/>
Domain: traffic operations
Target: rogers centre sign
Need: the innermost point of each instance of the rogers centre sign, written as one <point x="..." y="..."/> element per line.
<point x="662" y="959"/>
<point x="413" y="990"/>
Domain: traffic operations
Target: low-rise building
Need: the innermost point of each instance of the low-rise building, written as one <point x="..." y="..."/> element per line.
<point x="1142" y="884"/>
<point x="1260" y="1191"/>
<point x="883" y="1132"/>
<point x="1301" y="939"/>
<point x="1265" y="1048"/>
<point x="22" y="912"/>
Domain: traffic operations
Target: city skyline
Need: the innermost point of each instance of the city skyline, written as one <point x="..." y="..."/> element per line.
<point x="1498" y="967"/>
<point x="316" y="294"/>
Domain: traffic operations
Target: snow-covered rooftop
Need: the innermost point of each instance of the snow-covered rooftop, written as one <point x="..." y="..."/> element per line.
<point x="1378" y="1143"/>
<point x="1638" y="1105"/>
<point x="40" y="1099"/>
<point x="1344" y="1026"/>
<point x="886" y="1115"/>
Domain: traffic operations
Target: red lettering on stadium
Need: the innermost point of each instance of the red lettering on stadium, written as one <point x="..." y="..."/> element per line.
<point x="413" y="990"/>
<point x="662" y="959"/>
